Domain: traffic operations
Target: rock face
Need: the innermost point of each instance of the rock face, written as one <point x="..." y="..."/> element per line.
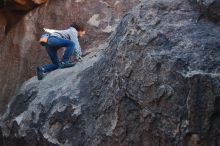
<point x="20" y="4"/>
<point x="12" y="11"/>
<point x="156" y="83"/>
<point x="20" y="52"/>
<point x="209" y="9"/>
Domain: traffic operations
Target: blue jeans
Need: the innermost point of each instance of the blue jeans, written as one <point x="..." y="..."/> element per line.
<point x="53" y="44"/>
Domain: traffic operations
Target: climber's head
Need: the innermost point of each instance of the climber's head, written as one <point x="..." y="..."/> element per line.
<point x="80" y="27"/>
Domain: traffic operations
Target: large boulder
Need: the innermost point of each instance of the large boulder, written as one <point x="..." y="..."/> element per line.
<point x="20" y="51"/>
<point x="156" y="83"/>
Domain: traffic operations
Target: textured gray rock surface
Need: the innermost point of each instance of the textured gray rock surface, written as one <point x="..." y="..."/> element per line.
<point x="156" y="83"/>
<point x="209" y="8"/>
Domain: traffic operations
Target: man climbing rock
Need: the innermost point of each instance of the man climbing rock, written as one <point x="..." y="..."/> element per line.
<point x="56" y="39"/>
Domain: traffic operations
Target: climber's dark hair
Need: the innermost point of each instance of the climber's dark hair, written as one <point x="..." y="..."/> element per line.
<point x="79" y="26"/>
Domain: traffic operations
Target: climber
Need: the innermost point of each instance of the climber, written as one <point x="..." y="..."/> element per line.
<point x="56" y="39"/>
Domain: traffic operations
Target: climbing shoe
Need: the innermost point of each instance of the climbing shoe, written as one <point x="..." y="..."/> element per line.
<point x="40" y="73"/>
<point x="67" y="64"/>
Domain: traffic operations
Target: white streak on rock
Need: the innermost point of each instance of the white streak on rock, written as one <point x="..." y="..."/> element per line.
<point x="94" y="20"/>
<point x="109" y="29"/>
<point x="117" y="2"/>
